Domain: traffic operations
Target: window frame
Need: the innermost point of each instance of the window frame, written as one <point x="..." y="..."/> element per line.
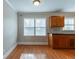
<point x="35" y="28"/>
<point x="72" y="24"/>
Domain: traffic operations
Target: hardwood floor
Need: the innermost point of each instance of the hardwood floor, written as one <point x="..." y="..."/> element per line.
<point x="41" y="52"/>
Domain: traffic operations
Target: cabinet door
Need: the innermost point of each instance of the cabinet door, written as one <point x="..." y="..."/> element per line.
<point x="56" y="43"/>
<point x="70" y="41"/>
<point x="59" y="41"/>
<point x="53" y="21"/>
<point x="60" y="21"/>
<point x="62" y="43"/>
<point x="57" y="21"/>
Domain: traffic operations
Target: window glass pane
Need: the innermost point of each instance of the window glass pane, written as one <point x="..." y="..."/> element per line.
<point x="69" y="23"/>
<point x="69" y="20"/>
<point x="28" y="31"/>
<point x="68" y="28"/>
<point x="40" y="31"/>
<point x="40" y="22"/>
<point x="28" y="22"/>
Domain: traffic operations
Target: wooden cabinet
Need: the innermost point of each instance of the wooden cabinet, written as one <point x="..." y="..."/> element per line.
<point x="62" y="41"/>
<point x="59" y="41"/>
<point x="56" y="21"/>
<point x="71" y="43"/>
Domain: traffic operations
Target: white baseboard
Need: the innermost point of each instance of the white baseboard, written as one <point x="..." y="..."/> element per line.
<point x="33" y="43"/>
<point x="8" y="52"/>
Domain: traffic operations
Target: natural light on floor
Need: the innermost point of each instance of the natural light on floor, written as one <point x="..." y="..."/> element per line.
<point x="33" y="56"/>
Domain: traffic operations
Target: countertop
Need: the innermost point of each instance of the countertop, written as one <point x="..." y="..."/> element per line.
<point x="62" y="32"/>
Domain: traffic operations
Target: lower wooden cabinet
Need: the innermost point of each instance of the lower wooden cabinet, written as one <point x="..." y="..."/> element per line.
<point x="72" y="43"/>
<point x="62" y="41"/>
<point x="59" y="43"/>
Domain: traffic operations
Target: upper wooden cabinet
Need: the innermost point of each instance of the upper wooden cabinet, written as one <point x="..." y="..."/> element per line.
<point x="56" y="21"/>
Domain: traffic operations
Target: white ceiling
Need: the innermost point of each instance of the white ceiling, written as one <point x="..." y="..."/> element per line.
<point x="45" y="6"/>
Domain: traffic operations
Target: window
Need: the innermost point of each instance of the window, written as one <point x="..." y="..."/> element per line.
<point x="34" y="27"/>
<point x="29" y="22"/>
<point x="40" y="22"/>
<point x="28" y="31"/>
<point x="69" y="24"/>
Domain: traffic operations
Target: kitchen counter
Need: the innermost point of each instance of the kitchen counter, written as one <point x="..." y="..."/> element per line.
<point x="62" y="32"/>
<point x="59" y="31"/>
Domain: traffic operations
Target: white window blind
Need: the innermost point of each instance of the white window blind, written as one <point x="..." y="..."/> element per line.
<point x="69" y="23"/>
<point x="34" y="26"/>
